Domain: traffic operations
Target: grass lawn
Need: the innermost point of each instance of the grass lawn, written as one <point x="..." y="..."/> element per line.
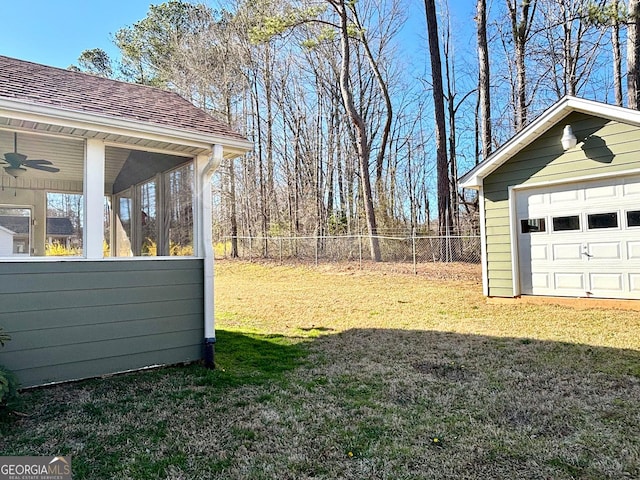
<point x="341" y="373"/>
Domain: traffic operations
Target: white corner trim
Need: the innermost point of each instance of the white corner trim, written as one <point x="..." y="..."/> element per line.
<point x="483" y="243"/>
<point x="513" y="228"/>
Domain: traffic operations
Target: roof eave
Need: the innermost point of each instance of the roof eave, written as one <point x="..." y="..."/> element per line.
<point x="473" y="179"/>
<point x="33" y="112"/>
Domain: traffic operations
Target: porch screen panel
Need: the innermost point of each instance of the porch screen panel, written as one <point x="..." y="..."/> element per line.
<point x="180" y="205"/>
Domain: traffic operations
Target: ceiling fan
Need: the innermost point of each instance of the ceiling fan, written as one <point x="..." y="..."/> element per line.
<point x="17" y="162"/>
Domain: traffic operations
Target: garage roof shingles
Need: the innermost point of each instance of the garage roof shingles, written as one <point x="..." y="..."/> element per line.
<point x="69" y="90"/>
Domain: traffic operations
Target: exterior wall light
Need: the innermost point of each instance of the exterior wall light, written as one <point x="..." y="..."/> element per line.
<point x="568" y="140"/>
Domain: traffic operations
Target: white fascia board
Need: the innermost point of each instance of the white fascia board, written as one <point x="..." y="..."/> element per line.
<point x="89" y="121"/>
<point x="565" y="106"/>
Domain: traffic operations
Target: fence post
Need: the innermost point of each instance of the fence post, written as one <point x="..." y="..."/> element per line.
<point x="360" y="250"/>
<point x="413" y="248"/>
<point x="280" y="248"/>
<point x="316" y="242"/>
<point x="250" y="249"/>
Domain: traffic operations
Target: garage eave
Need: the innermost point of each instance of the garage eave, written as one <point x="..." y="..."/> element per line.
<point x="552" y="116"/>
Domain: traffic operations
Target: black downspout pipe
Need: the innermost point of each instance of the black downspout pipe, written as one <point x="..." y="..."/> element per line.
<point x="209" y="353"/>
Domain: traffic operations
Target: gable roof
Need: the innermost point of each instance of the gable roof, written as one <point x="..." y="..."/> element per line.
<point x="36" y="84"/>
<point x="59" y="226"/>
<point x="20" y="225"/>
<point x="549" y="118"/>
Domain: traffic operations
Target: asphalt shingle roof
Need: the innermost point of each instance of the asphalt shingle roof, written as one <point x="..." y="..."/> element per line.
<point x="20" y="225"/>
<point x="57" y="87"/>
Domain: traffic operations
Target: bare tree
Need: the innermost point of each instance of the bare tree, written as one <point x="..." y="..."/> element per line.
<point x="444" y="194"/>
<point x="521" y="19"/>
<point x="484" y="77"/>
<point x="633" y="55"/>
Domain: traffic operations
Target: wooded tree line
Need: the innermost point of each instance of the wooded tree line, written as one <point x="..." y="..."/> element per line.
<point x="358" y="127"/>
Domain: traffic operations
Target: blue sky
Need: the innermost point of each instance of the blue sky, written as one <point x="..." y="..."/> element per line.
<point x="55" y="32"/>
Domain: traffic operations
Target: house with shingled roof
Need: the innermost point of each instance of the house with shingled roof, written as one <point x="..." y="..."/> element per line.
<point x="132" y="165"/>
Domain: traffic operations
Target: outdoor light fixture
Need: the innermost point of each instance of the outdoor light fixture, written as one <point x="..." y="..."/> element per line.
<point x="568" y="140"/>
<point x="15" y="172"/>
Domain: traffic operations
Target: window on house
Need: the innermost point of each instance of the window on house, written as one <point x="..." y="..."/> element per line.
<point x="566" y="223"/>
<point x="602" y="220"/>
<point x="531" y="225"/>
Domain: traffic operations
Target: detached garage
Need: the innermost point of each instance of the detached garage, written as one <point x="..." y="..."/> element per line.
<point x="560" y="205"/>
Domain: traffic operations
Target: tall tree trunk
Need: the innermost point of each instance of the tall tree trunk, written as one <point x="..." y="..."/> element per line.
<point x="484" y="93"/>
<point x="362" y="143"/>
<point x="444" y="207"/>
<point x="233" y="216"/>
<point x="633" y="55"/>
<point x="520" y="27"/>
<point x="617" y="56"/>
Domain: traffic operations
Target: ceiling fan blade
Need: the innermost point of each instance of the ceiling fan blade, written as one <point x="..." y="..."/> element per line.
<point x="42" y="167"/>
<point x="33" y="163"/>
<point x="14" y="159"/>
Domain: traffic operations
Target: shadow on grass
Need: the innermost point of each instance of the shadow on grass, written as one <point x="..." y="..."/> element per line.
<point x="249" y="358"/>
<point x="374" y="400"/>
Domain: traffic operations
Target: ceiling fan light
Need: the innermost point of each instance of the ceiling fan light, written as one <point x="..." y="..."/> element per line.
<point x="15" y="172"/>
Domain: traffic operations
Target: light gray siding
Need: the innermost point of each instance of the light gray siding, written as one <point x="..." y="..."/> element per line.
<point x="80" y="319"/>
<point x="605" y="147"/>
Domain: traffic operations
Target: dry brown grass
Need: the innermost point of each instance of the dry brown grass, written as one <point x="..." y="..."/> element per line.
<point x="350" y="374"/>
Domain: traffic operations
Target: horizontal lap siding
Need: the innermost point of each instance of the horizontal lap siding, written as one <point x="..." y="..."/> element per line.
<point x="71" y="320"/>
<point x="609" y="147"/>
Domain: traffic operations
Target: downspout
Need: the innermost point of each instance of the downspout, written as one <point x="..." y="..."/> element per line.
<point x="207" y="252"/>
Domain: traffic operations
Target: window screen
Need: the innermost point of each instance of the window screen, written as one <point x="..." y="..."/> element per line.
<point x="571" y="222"/>
<point x="602" y="220"/>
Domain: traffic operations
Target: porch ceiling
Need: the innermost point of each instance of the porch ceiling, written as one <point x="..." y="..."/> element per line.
<point x="109" y="138"/>
<point x="67" y="154"/>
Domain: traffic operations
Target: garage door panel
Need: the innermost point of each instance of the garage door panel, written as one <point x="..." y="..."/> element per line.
<point x="608" y="191"/>
<point x="540" y="280"/>
<point x="604" y="251"/>
<point x="634" y="282"/>
<point x="569" y="281"/>
<point x="633" y="250"/>
<point x="564" y="196"/>
<point x="631" y="189"/>
<point x="611" y="282"/>
<point x="567" y="251"/>
<point x="539" y="252"/>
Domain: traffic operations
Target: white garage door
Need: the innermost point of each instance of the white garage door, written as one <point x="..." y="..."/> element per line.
<point x="581" y="239"/>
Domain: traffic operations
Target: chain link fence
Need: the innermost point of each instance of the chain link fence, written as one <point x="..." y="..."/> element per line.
<point x="354" y="248"/>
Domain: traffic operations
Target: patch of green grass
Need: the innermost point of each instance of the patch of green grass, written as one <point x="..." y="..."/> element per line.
<point x="310" y="384"/>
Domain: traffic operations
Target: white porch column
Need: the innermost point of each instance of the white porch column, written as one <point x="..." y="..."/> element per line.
<point x="94" y="199"/>
<point x="205" y="166"/>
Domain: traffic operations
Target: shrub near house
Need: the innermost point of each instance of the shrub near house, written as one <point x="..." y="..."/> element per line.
<point x="8" y="381"/>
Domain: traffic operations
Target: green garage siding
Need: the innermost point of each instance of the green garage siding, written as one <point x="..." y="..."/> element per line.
<point x="79" y="319"/>
<point x="604" y="147"/>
